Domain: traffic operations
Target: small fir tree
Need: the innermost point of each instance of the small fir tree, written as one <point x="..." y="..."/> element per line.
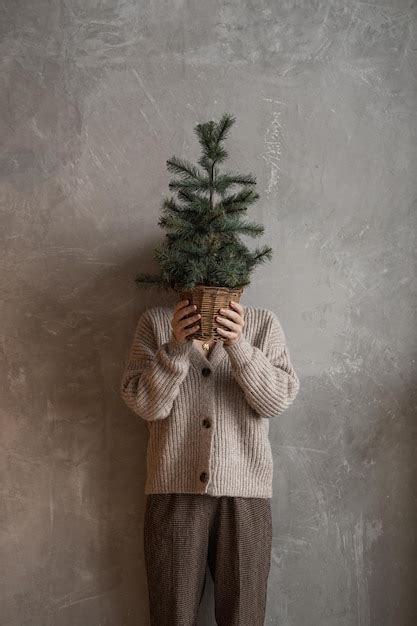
<point x="204" y="221"/>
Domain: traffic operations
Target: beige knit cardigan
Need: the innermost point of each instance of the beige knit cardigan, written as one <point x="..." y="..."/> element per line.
<point x="208" y="417"/>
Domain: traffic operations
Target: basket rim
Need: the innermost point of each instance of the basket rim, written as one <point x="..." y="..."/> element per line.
<point x="201" y="287"/>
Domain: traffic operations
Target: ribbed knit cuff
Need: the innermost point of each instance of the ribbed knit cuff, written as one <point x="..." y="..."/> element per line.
<point x="174" y="348"/>
<point x="240" y="352"/>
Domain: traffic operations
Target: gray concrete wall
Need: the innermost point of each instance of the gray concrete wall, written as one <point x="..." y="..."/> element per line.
<point x="94" y="97"/>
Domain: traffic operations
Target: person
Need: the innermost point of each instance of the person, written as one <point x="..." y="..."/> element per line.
<point x="209" y="464"/>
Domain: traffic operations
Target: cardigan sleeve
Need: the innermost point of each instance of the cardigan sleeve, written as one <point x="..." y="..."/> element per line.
<point x="152" y="376"/>
<point x="266" y="377"/>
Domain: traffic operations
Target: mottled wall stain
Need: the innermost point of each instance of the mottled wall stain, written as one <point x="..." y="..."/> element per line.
<point x="94" y="97"/>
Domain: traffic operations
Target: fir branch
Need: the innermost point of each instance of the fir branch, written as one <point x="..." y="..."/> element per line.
<point x="224" y="181"/>
<point x="192" y="197"/>
<point x="192" y="248"/>
<point x="189" y="212"/>
<point x="181" y="167"/>
<point x="252" y="229"/>
<point x="149" y="280"/>
<point x="260" y="255"/>
<point x="190" y="185"/>
<point x="224" y="126"/>
<point x="178" y="224"/>
<point x="234" y="209"/>
<point x="239" y="202"/>
<point x="245" y="196"/>
<point x="170" y="204"/>
<point x="216" y="214"/>
<point x="205" y="162"/>
<point x="205" y="133"/>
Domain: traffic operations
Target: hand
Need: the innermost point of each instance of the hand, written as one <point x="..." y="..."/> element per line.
<point x="232" y="319"/>
<point x="179" y="321"/>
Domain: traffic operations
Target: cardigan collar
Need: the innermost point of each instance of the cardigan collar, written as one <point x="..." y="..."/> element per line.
<point x="216" y="355"/>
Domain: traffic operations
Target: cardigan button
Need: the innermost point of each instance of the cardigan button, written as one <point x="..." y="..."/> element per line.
<point x="206" y="422"/>
<point x="203" y="477"/>
<point x="206" y="371"/>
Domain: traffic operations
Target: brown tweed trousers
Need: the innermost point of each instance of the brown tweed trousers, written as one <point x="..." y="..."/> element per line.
<point x="185" y="531"/>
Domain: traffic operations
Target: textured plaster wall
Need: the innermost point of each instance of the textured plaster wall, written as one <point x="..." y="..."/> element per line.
<point x="95" y="95"/>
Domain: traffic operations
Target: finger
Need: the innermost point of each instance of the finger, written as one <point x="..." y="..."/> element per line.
<point x="227" y="333"/>
<point x="182" y="304"/>
<point x="237" y="306"/>
<point x="235" y="309"/>
<point x="234" y="315"/>
<point x="179" y="307"/>
<point x="228" y="323"/>
<point x="189" y="320"/>
<point x="183" y="311"/>
<point x="191" y="330"/>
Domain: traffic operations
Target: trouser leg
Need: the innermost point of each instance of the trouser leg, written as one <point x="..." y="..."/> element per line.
<point x="239" y="559"/>
<point x="175" y="547"/>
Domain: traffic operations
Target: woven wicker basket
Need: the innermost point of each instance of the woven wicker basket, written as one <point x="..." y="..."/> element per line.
<point x="209" y="300"/>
